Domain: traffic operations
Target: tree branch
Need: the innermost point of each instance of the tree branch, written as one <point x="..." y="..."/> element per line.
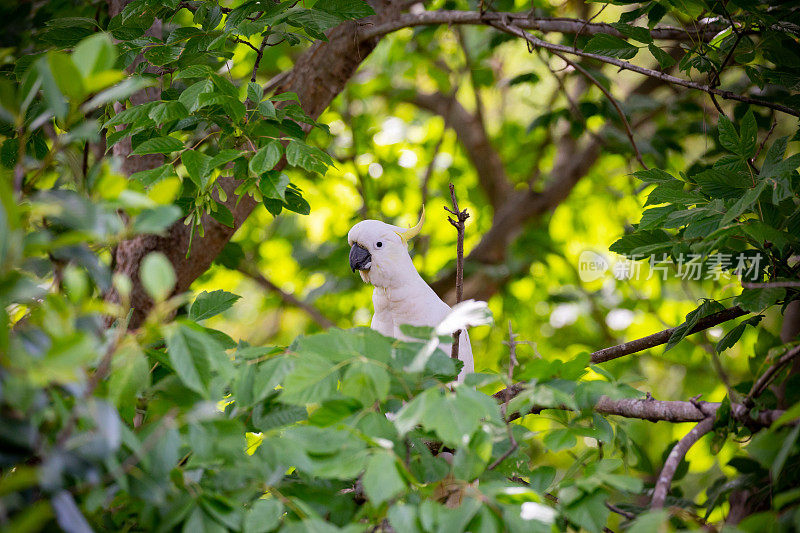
<point x="674" y="459"/>
<point x="527" y="21"/>
<point x="662" y="337"/>
<point x="613" y="101"/>
<point x="766" y="378"/>
<point x="321" y="320"/>
<point x="624" y="65"/>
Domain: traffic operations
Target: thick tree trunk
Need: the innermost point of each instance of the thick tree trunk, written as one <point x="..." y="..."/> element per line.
<point x="318" y="76"/>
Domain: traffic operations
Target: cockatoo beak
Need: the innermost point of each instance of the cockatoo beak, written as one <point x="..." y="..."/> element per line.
<point x="360" y="258"/>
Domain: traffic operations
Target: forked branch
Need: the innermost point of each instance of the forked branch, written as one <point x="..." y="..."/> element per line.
<point x="458" y="223"/>
<point x="674" y="460"/>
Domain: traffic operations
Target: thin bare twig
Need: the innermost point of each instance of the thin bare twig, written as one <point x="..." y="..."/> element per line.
<point x="761" y="146"/>
<point x="259" y="55"/>
<point x="674" y="460"/>
<point x="766" y="378"/>
<point x="512" y="362"/>
<point x="613" y="101"/>
<point x="458" y="223"/>
<point x="533" y="41"/>
<point x="313" y="312"/>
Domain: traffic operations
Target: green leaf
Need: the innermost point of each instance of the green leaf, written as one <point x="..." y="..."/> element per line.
<point x="733" y="336"/>
<point x="528" y="77"/>
<point x="94" y="54"/>
<point x="158" y="145"/>
<point x="266" y="158"/>
<point x="130" y="374"/>
<point x="255" y="92"/>
<point x="346" y="9"/>
<point x="208" y="304"/>
<point x="162" y="54"/>
<point x="728" y="137"/>
<point x="749" y="136"/>
<point x="118" y="92"/>
<point x="706" y="308"/>
<point x="222" y="214"/>
<point x="381" y="480"/>
<point x="273" y="185"/>
<point x="154" y="175"/>
<point x="157" y="275"/>
<point x="756" y="300"/>
<point x="655" y="175"/>
<point x="366" y="381"/>
<point x="607" y="45"/>
<point x="191" y="95"/>
<point x="559" y="439"/>
<point x="312" y="380"/>
<point x="263" y="516"/>
<point x="299" y="154"/>
<point x="157" y="219"/>
<point x="223" y="157"/>
<point x="634" y="32"/>
<point x="168" y="111"/>
<point x="744" y="203"/>
<point x="67" y="76"/>
<point x="197" y="166"/>
<point x="786" y="449"/>
<point x="664" y="59"/>
<point x="192" y="354"/>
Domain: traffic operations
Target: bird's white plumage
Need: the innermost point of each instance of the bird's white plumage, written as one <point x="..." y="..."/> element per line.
<point x="401" y="296"/>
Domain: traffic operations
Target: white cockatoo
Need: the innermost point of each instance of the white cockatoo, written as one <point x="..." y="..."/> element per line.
<point x="379" y="252"/>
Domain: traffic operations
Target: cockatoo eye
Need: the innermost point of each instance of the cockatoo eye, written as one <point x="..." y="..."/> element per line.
<point x="378" y="244"/>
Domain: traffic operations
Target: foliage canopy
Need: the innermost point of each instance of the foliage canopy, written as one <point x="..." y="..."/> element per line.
<point x="137" y="137"/>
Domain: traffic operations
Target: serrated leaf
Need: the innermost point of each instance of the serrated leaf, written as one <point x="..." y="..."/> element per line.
<point x="158" y="145"/>
<point x="733" y="336"/>
<point x="273" y="185"/>
<point x="313" y="159"/>
<point x="655" y="175"/>
<point x="748" y="136"/>
<point x="191" y="95"/>
<point x="664" y="59"/>
<point x="197" y="166"/>
<point x="381" y="479"/>
<point x="346" y="9"/>
<point x="265" y="158"/>
<point x="744" y="203"/>
<point x="607" y="45"/>
<point x="154" y="175"/>
<point x="254" y="92"/>
<point x="208" y="304"/>
<point x="706" y="308"/>
<point x="168" y="111"/>
<point x="223" y="215"/>
<point x="162" y="54"/>
<point x="312" y="380"/>
<point x="756" y="300"/>
<point x="728" y="137"/>
<point x="634" y="32"/>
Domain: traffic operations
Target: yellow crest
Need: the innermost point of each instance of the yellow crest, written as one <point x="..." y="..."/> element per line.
<point x="410" y="233"/>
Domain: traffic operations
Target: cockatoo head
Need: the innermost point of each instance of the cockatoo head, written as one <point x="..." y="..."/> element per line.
<point x="379" y="251"/>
